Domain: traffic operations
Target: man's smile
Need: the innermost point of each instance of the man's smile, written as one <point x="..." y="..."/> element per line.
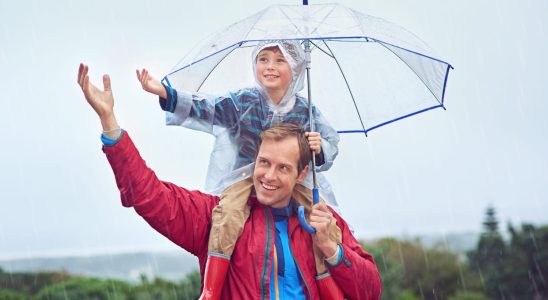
<point x="269" y="187"/>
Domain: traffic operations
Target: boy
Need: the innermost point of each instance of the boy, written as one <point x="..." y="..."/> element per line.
<point x="236" y="120"/>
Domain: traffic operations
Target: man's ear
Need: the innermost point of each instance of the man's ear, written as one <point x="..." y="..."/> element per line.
<point x="302" y="175"/>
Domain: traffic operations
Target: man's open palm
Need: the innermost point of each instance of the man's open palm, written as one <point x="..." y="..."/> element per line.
<point x="101" y="101"/>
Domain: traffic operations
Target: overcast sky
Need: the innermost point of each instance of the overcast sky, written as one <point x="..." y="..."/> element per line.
<point x="434" y="173"/>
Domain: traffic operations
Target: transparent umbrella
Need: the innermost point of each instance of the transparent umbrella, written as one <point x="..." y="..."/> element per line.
<point x="368" y="72"/>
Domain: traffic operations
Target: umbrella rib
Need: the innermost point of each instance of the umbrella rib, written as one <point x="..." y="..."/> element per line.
<point x="318" y="47"/>
<point x="429" y="89"/>
<point x="326" y="16"/>
<point x="213" y="69"/>
<point x="349" y="90"/>
<point x="291" y="22"/>
<point x="256" y="21"/>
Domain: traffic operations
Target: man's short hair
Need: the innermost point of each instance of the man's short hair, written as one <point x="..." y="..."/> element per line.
<point x="286" y="130"/>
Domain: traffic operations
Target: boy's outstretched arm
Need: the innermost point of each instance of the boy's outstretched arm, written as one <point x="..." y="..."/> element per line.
<point x="101" y="101"/>
<point x="151" y="84"/>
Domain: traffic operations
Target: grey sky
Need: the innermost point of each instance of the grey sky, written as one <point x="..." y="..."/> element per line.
<point x="433" y="173"/>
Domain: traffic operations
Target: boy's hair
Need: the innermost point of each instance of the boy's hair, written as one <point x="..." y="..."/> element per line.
<point x="271" y="48"/>
<point x="286" y="130"/>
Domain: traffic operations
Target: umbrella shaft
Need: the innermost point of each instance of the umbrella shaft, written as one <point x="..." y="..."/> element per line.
<point x="310" y="115"/>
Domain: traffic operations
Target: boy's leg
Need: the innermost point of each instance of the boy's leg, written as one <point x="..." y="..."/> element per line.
<point x="228" y="219"/>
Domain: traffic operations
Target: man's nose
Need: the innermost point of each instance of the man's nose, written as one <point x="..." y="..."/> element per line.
<point x="270" y="173"/>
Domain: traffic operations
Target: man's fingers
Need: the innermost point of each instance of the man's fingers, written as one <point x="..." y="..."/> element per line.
<point x="82" y="72"/>
<point x="85" y="87"/>
<point x="106" y="83"/>
<point x="321" y="208"/>
<point x="146" y="76"/>
<point x="320" y="219"/>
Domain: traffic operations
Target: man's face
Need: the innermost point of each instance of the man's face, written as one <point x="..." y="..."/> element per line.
<point x="276" y="172"/>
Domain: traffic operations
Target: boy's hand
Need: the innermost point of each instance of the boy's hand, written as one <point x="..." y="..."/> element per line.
<point x="151" y="84"/>
<point x="101" y="101"/>
<point x="314" y="141"/>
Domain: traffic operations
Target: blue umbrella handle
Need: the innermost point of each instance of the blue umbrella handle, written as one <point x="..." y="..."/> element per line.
<point x="302" y="219"/>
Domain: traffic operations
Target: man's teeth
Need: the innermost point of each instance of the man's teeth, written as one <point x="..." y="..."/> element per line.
<point x="269" y="187"/>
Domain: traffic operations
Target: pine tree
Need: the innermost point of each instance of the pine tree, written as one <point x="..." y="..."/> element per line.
<point x="489" y="256"/>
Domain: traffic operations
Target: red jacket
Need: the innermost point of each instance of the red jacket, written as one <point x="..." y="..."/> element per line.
<point x="184" y="217"/>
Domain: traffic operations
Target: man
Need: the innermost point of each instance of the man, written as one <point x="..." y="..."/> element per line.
<point x="273" y="257"/>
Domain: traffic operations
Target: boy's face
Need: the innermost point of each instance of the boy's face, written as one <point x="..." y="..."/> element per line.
<point x="273" y="71"/>
<point x="276" y="173"/>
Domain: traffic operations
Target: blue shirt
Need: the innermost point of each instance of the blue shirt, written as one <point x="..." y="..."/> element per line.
<point x="289" y="277"/>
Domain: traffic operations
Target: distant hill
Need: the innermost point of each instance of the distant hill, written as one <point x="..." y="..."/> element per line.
<point x="126" y="266"/>
<point x="459" y="243"/>
<point x="175" y="265"/>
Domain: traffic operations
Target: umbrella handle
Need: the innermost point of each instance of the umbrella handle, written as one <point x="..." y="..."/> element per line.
<point x="300" y="212"/>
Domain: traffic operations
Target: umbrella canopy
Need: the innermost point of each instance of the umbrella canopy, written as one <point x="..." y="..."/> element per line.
<point x="367" y="72"/>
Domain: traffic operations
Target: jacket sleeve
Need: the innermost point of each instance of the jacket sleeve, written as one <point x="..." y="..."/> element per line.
<point x="200" y="111"/>
<point x="181" y="215"/>
<point x="330" y="140"/>
<point x="357" y="273"/>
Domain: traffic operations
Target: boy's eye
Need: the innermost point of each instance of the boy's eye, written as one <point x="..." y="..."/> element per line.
<point x="280" y="60"/>
<point x="262" y="59"/>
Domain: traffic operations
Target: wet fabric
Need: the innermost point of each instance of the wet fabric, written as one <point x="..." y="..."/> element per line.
<point x="184" y="217"/>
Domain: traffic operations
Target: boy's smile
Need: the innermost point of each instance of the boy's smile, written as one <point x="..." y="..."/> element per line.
<point x="273" y="72"/>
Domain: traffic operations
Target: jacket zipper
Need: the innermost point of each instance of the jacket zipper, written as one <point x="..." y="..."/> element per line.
<point x="297" y="264"/>
<point x="268" y="246"/>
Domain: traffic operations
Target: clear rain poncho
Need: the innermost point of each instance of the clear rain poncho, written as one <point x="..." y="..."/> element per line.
<point x="237" y="118"/>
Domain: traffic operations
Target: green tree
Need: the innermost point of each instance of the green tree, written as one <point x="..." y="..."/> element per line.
<point x="189" y="288"/>
<point x="391" y="271"/>
<point x="30" y="283"/>
<point x="488" y="259"/>
<point x="158" y="289"/>
<point x="468" y="296"/>
<point x="527" y="264"/>
<point x="12" y="295"/>
<point x="86" y="289"/>
<point x="410" y="271"/>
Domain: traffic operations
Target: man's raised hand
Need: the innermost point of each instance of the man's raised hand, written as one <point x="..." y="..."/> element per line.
<point x="101" y="101"/>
